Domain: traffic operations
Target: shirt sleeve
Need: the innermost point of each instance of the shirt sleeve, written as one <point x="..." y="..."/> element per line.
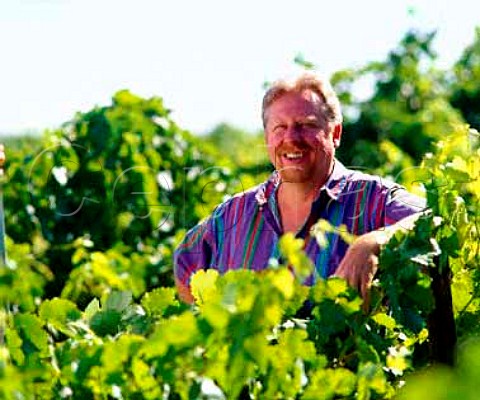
<point x="194" y="253"/>
<point x="393" y="203"/>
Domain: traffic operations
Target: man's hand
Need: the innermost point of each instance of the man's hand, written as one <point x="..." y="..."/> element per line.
<point x="360" y="262"/>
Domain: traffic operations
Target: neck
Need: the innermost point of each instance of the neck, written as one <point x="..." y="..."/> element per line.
<point x="297" y="193"/>
<point x="295" y="204"/>
<point x="302" y="192"/>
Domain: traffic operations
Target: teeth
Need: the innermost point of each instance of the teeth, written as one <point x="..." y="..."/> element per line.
<point x="293" y="155"/>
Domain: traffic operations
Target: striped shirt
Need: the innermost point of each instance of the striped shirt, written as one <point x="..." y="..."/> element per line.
<point x="244" y="231"/>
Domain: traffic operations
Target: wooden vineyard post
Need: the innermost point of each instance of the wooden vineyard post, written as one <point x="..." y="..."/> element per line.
<point x="441" y="322"/>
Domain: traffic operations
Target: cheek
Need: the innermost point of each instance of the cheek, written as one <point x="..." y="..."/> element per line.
<point x="273" y="141"/>
<point x="272" y="144"/>
<point x="315" y="142"/>
<point x="271" y="147"/>
<point x="323" y="150"/>
<point x="322" y="143"/>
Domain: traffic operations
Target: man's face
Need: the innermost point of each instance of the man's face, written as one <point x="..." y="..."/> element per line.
<point x="301" y="142"/>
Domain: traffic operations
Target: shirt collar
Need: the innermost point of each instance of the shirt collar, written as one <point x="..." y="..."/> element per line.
<point x="334" y="186"/>
<point x="337" y="181"/>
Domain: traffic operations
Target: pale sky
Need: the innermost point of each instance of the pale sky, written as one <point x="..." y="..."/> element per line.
<point x="208" y="59"/>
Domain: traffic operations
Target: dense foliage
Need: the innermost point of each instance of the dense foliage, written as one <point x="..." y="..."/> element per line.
<point x="95" y="208"/>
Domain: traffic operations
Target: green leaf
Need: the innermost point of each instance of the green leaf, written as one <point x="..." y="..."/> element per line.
<point x="336" y="287"/>
<point x="177" y="332"/>
<point x="117" y="354"/>
<point x="216" y="315"/>
<point x="181" y="330"/>
<point x="371" y="378"/>
<point x="203" y="285"/>
<point x="284" y="281"/>
<point x="385" y="320"/>
<point x="118" y="301"/>
<point x="106" y="322"/>
<point x="329" y="384"/>
<point x="92" y="308"/>
<point x="159" y="300"/>
<point x="292" y="249"/>
<point x="14" y="344"/>
<point x="30" y="329"/>
<point x="58" y="312"/>
<point x="144" y="379"/>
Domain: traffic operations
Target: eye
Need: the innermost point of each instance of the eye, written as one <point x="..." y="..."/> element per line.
<point x="310" y="125"/>
<point x="279" y="128"/>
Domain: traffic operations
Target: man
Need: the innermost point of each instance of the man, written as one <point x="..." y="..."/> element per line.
<point x="303" y="127"/>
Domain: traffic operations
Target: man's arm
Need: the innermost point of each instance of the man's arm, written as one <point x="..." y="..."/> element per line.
<point x="399" y="210"/>
<point x="360" y="262"/>
<point x="193" y="254"/>
<point x="184" y="292"/>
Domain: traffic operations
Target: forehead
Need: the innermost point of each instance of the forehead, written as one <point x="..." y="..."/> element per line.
<point x="291" y="104"/>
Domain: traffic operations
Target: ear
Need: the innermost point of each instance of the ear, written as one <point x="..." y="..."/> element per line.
<point x="337" y="135"/>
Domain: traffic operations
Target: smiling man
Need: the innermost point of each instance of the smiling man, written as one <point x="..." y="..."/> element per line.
<point x="303" y="127"/>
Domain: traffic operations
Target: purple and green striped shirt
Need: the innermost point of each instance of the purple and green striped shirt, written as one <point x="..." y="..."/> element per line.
<point x="243" y="232"/>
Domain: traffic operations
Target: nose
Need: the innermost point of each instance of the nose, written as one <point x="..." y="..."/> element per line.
<point x="292" y="133"/>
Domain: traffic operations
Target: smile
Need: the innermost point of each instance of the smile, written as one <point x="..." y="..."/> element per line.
<point x="293" y="156"/>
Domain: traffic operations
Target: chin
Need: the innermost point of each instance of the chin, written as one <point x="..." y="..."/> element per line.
<point x="295" y="176"/>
